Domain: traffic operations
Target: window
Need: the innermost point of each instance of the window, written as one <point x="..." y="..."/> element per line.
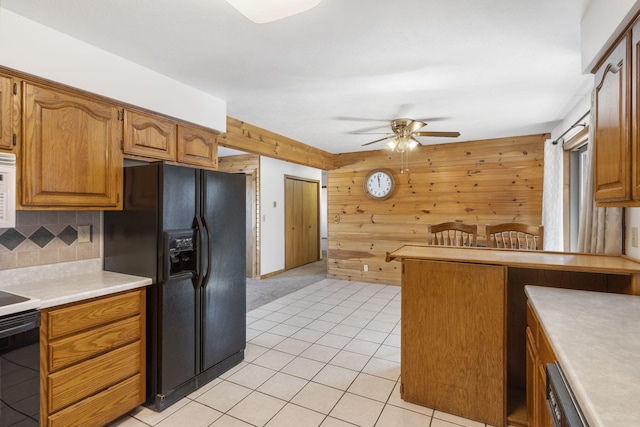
<point x="577" y="182"/>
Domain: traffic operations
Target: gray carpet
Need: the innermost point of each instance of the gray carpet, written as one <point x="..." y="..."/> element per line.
<point x="261" y="292"/>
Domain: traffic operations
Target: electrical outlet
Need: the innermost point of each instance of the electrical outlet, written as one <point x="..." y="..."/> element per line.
<point x="365" y="268"/>
<point x="634" y="237"/>
<point x="84" y="233"/>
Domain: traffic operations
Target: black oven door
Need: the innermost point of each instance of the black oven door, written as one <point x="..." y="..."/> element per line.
<point x="560" y="401"/>
<point x="20" y="369"/>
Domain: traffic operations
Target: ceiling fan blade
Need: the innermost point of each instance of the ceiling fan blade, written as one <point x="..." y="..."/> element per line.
<point x="360" y="119"/>
<point x="370" y="128"/>
<point x="446" y="134"/>
<point x="415" y="125"/>
<point x="431" y="119"/>
<point x="404" y="110"/>
<point x="378" y="140"/>
<point x="414" y="138"/>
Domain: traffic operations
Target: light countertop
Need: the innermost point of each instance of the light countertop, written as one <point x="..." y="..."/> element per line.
<point x="596" y="337"/>
<point x="565" y="261"/>
<point x="63" y="283"/>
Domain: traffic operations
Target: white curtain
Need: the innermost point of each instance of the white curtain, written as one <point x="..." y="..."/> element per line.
<point x="552" y="197"/>
<point x="600" y="229"/>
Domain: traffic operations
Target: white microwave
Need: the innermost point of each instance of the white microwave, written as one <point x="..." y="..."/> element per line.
<point x="7" y="190"/>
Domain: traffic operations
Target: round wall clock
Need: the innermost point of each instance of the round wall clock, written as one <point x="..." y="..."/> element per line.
<point x="379" y="184"/>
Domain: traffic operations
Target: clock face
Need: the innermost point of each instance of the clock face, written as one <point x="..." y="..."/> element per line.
<point x="379" y="184"/>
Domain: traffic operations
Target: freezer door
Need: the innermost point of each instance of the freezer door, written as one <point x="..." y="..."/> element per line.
<point x="179" y="197"/>
<point x="131" y="236"/>
<point x="177" y="334"/>
<point x="224" y="294"/>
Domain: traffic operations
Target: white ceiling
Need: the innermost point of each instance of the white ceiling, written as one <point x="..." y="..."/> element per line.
<point x="485" y="68"/>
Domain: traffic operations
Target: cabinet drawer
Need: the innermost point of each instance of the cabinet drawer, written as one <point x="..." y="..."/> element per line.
<point x="93" y="313"/>
<point x="94" y="375"/>
<point x="76" y="348"/>
<point x="103" y="407"/>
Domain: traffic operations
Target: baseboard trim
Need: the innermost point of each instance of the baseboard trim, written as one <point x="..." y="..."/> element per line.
<point x="273" y="273"/>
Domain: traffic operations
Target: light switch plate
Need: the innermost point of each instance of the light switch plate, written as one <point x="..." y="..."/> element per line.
<point x="84" y="234"/>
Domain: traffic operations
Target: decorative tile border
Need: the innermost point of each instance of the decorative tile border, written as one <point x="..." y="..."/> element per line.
<point x="49" y="237"/>
<point x="12" y="238"/>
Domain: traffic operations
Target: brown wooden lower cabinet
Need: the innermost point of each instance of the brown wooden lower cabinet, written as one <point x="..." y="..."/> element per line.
<point x="539" y="353"/>
<point x="469" y="346"/>
<point x="92" y="360"/>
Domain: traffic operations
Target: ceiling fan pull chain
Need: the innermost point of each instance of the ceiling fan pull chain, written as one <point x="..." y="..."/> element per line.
<point x="403" y="162"/>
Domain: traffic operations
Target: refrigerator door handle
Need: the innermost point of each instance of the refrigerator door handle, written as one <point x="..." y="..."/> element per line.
<point x="202" y="233"/>
<point x="207" y="234"/>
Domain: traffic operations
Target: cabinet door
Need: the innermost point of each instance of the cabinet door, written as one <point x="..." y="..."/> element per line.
<point x="6" y="113"/>
<point x="635" y="108"/>
<point x="197" y="147"/>
<point x="71" y="157"/>
<point x="612" y="129"/>
<point x="149" y="136"/>
<point x="532" y="379"/>
<point x="545" y="355"/>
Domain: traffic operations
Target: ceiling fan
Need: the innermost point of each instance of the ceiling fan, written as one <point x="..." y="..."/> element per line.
<point x="405" y="132"/>
<point x="404" y="138"/>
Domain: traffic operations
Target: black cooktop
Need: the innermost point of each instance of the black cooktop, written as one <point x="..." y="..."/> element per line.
<point x="7" y="299"/>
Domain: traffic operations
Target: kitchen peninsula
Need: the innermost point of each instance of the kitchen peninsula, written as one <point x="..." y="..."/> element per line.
<point x="464" y="322"/>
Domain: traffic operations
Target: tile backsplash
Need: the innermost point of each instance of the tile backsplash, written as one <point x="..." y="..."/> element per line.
<point x="49" y="237"/>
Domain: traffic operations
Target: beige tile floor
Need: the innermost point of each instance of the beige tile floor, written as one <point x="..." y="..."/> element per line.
<point x="326" y="355"/>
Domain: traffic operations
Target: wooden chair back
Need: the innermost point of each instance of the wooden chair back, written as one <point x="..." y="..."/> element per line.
<point x="515" y="236"/>
<point x="453" y="234"/>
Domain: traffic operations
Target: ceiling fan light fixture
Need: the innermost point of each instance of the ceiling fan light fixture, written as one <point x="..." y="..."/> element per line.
<point x="392" y="144"/>
<point x="404" y="144"/>
<point x="262" y="12"/>
<point x="412" y="144"/>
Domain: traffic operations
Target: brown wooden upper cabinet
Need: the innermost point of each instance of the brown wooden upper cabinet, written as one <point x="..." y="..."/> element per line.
<point x="70" y="157"/>
<point x="617" y="124"/>
<point x="635" y="108"/>
<point x="197" y="146"/>
<point x="612" y="146"/>
<point x="6" y="113"/>
<point x="151" y="136"/>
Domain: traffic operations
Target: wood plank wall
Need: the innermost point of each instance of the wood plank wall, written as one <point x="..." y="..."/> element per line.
<point x="482" y="182"/>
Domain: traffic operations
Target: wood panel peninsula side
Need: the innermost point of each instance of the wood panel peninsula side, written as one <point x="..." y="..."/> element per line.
<point x="464" y="320"/>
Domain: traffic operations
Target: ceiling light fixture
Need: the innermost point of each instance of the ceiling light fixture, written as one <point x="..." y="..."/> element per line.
<point x="263" y="11"/>
<point x="403" y="144"/>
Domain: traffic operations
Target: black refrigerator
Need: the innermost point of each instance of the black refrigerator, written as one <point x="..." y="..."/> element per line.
<point x="184" y="228"/>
